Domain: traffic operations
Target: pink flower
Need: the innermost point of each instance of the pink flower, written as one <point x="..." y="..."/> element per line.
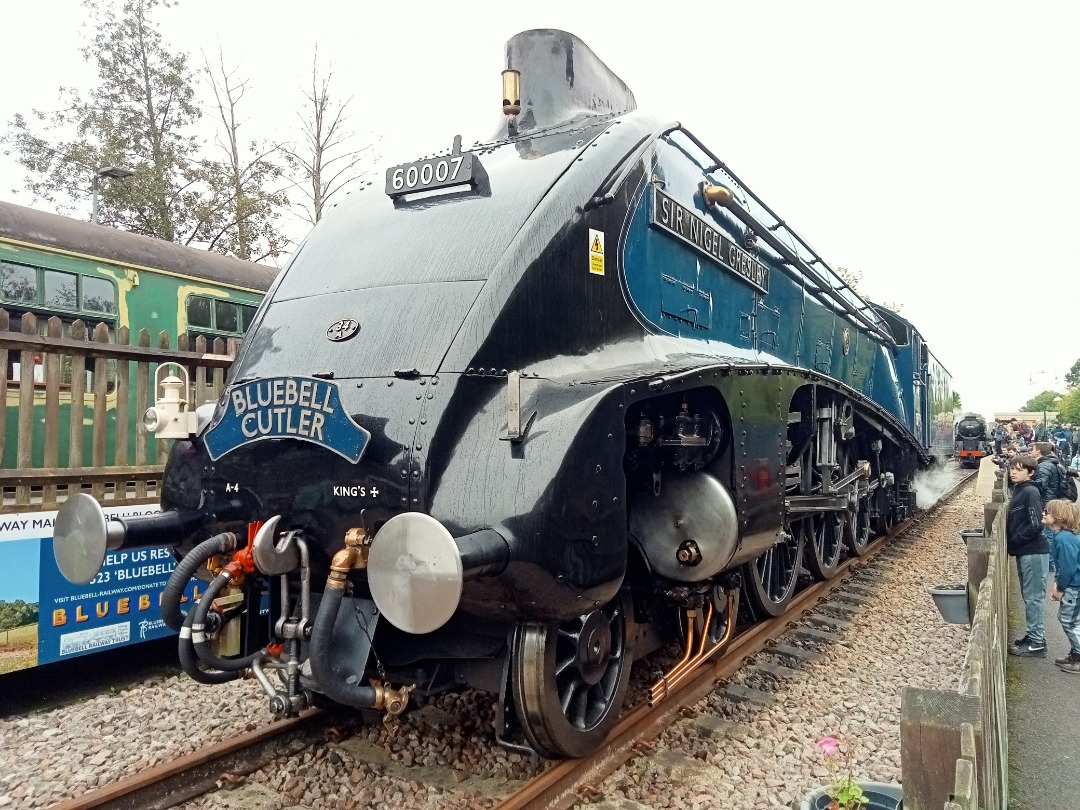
<point x="829" y="746"/>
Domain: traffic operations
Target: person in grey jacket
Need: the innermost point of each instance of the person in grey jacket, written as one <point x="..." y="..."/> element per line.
<point x="1025" y="540"/>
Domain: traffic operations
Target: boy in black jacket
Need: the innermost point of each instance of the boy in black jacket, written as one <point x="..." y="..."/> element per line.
<point x="1025" y="540"/>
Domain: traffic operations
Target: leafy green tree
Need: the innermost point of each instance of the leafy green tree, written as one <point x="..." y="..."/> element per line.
<point x="1072" y="376"/>
<point x="142" y="115"/>
<point x="139" y="116"/>
<point x="1043" y="401"/>
<point x="956" y="404"/>
<point x="1069" y="407"/>
<point x="17" y="614"/>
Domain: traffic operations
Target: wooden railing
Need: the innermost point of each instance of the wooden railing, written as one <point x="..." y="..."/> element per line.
<point x="954" y="744"/>
<point x="73" y="411"/>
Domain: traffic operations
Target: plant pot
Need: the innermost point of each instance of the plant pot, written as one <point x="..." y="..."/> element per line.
<point x="880" y="795"/>
<point x="951" y="602"/>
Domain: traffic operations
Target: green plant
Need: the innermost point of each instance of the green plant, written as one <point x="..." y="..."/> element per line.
<point x="844" y="790"/>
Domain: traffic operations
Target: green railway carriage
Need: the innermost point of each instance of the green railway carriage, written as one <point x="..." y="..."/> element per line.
<point x="53" y="266"/>
<point x="73" y="408"/>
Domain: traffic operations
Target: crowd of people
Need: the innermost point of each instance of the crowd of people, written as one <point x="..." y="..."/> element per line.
<point x="1020" y="435"/>
<point x="1043" y="529"/>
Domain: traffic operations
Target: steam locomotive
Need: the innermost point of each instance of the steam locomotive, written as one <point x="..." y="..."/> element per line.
<point x="523" y="415"/>
<point x="972" y="440"/>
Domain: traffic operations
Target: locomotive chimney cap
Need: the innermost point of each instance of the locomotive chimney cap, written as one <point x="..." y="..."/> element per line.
<point x="558" y="80"/>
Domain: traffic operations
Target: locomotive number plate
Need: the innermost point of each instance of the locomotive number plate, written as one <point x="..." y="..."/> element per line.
<point x="432" y="173"/>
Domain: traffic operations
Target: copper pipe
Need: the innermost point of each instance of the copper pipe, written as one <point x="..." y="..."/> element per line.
<point x="675" y="680"/>
<point x="662" y="683"/>
<point x="689" y="663"/>
<point x="682" y="670"/>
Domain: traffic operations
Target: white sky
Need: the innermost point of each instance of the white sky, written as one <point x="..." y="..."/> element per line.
<point x="931" y="146"/>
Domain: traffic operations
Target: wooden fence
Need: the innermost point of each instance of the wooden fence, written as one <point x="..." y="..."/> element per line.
<point x="72" y="397"/>
<point x="954" y="744"/>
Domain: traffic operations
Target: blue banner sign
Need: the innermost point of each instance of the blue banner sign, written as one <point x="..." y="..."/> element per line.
<point x="55" y="620"/>
<point x="301" y="408"/>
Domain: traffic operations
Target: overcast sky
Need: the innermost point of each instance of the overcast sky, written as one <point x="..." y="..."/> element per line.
<point x="930" y="146"/>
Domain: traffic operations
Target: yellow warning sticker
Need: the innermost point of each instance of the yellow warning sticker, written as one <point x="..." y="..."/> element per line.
<point x="596" y="252"/>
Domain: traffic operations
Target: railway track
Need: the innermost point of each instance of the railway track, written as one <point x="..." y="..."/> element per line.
<point x="562" y="785"/>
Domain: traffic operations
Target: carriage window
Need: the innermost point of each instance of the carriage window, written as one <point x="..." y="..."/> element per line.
<point x="18" y="283"/>
<point x="225" y="316"/>
<point x="60" y="289"/>
<point x="247" y="315"/>
<point x="98" y="295"/>
<point x="198" y="311"/>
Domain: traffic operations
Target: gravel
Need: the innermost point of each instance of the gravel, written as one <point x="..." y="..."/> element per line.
<point x="443" y="755"/>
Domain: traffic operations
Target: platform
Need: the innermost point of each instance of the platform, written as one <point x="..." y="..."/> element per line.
<point x="1043" y="705"/>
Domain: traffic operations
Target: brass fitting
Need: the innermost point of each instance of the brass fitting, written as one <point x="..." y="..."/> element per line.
<point x="393" y="701"/>
<point x="511" y="87"/>
<point x="716" y="195"/>
<point x="354" y="555"/>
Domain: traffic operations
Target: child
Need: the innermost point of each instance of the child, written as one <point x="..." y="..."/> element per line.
<point x="1063" y="518"/>
<point x="1025" y="541"/>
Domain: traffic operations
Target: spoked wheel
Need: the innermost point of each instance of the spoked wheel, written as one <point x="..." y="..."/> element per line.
<point x="822" y="551"/>
<point x="883" y="523"/>
<point x="857" y="536"/>
<point x="570" y="679"/>
<point x="769" y="580"/>
<point x="857" y="518"/>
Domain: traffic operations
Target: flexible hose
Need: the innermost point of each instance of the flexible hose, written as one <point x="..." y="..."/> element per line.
<point x="171" y="613"/>
<point x="329" y="683"/>
<point x="190" y="661"/>
<point x="198" y="631"/>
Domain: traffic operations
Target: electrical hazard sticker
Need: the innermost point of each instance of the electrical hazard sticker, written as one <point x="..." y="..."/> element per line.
<point x="596" y="252"/>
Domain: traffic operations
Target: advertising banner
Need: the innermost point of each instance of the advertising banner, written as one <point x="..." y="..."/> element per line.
<point x="121" y="606"/>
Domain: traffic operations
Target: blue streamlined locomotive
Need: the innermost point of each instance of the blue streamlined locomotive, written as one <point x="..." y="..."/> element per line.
<point x="525" y="414"/>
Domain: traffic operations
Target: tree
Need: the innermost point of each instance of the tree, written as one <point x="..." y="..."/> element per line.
<point x="138" y="116"/>
<point x="1040" y="402"/>
<point x="240" y="182"/>
<point x="17" y="614"/>
<point x="321" y="165"/>
<point x="1072" y="376"/>
<point x="1069" y="407"/>
<point x="142" y="116"/>
<point x="954" y="401"/>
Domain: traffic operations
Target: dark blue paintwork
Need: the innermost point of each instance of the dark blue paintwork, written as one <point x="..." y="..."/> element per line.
<point x="788" y="325"/>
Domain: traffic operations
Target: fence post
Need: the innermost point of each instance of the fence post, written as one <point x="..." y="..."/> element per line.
<point x="930" y="723"/>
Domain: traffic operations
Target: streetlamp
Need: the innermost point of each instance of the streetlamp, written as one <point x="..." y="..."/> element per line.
<point x="113" y="173"/>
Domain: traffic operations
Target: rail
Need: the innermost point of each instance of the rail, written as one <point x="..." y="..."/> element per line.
<point x="954" y="744"/>
<point x="72" y="396"/>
